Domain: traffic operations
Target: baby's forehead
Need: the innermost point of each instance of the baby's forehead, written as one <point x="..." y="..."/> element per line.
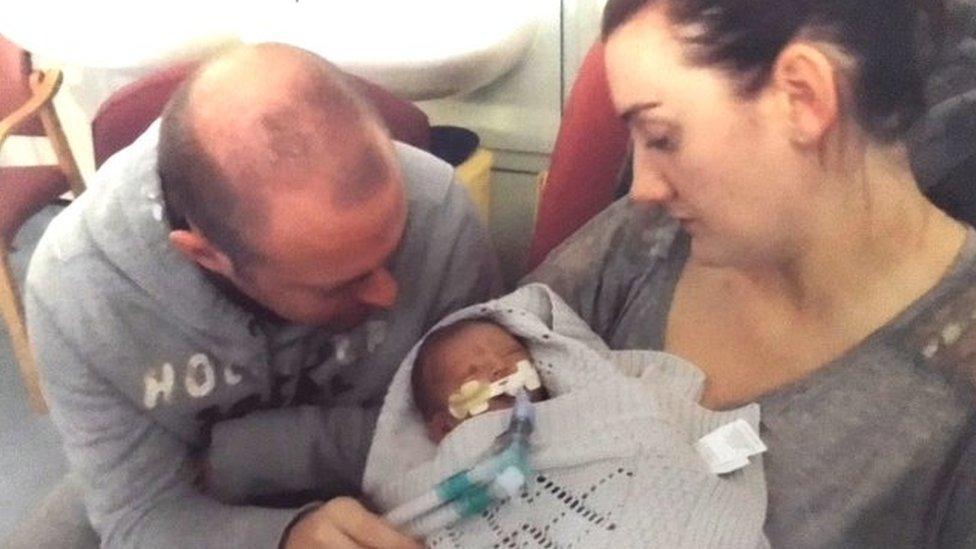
<point x="457" y="347"/>
<point x="471" y="331"/>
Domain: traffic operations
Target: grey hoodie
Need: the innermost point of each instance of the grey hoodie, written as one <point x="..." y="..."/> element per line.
<point x="145" y="363"/>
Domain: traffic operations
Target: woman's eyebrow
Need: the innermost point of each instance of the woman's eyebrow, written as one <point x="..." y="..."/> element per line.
<point x="628" y="115"/>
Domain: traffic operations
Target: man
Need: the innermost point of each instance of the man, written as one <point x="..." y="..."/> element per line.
<point x="244" y="280"/>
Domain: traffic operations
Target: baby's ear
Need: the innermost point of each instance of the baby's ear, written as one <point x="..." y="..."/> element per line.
<point x="439" y="425"/>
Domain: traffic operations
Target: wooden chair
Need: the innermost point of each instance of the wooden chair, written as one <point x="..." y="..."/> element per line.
<point x="25" y="104"/>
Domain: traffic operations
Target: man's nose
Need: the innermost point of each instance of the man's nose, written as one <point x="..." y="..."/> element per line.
<point x="378" y="290"/>
<point x="649" y="186"/>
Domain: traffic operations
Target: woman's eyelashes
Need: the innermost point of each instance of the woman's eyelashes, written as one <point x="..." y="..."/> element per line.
<point x="662" y="143"/>
<point x="657" y="136"/>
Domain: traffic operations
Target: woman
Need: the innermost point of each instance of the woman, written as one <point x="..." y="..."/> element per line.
<point x="775" y="236"/>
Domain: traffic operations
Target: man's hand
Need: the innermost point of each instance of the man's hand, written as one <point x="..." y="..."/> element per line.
<point x="344" y="523"/>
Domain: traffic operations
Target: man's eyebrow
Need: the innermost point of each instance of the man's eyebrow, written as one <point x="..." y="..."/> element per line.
<point x="628" y="115"/>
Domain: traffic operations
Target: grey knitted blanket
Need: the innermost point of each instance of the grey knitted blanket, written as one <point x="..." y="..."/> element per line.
<point x="613" y="447"/>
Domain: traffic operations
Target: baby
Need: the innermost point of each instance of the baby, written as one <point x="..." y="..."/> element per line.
<point x="468" y="368"/>
<point x="613" y="453"/>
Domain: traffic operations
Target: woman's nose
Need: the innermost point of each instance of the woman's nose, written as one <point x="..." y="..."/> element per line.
<point x="378" y="290"/>
<point x="649" y="185"/>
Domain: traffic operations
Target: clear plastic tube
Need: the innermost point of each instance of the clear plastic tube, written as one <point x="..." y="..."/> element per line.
<point x="497" y="477"/>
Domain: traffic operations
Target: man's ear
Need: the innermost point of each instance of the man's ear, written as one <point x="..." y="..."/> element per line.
<point x="440" y="424"/>
<point x="808" y="80"/>
<point x="196" y="248"/>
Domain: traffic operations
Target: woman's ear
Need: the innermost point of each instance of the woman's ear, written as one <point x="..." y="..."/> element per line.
<point x="808" y="80"/>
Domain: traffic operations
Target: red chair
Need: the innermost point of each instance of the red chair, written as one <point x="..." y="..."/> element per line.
<point x="25" y="105"/>
<point x="406" y="122"/>
<point x="131" y="109"/>
<point x="590" y="151"/>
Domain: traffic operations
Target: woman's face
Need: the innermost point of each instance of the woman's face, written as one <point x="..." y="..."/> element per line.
<point x="722" y="165"/>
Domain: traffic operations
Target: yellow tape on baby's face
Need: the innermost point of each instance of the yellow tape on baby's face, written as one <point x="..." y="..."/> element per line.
<point x="473" y="396"/>
<point x="471" y="399"/>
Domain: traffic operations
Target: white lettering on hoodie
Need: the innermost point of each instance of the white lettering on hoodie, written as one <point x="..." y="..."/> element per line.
<point x="200" y="378"/>
<point x="158" y="382"/>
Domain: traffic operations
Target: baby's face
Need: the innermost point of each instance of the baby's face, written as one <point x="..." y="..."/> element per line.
<point x="479" y="351"/>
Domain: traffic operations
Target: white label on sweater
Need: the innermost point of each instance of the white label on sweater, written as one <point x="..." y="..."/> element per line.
<point x="729" y="447"/>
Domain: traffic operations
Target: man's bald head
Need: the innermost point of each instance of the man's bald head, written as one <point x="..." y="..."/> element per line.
<point x="258" y="122"/>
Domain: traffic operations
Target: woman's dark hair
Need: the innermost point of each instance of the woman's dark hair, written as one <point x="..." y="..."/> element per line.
<point x="885" y="39"/>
